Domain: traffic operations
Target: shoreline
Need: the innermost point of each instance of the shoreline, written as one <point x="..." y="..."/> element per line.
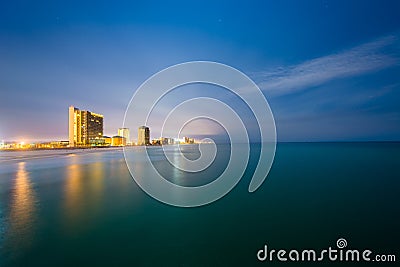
<point x="122" y="147"/>
<point x="61" y="148"/>
<point x="19" y="155"/>
<point x="80" y="148"/>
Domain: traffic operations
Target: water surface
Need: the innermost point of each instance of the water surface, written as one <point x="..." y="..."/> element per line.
<point x="82" y="208"/>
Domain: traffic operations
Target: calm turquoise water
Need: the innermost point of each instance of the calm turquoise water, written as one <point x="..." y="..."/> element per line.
<point x="83" y="209"/>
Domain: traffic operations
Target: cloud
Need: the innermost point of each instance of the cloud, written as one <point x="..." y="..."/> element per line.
<point x="365" y="58"/>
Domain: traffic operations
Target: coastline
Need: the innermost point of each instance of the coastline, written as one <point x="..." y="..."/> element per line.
<point x="61" y="148"/>
<point x="19" y="155"/>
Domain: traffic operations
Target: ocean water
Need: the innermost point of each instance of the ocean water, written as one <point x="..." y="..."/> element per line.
<point x="82" y="208"/>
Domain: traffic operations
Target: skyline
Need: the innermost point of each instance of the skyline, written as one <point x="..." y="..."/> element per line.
<point x="328" y="69"/>
<point x="85" y="130"/>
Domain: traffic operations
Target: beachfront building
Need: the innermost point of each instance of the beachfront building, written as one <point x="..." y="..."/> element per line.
<point x="167" y="141"/>
<point x="118" y="141"/>
<point x="124" y="132"/>
<point x="107" y="140"/>
<point x="85" y="127"/>
<point x="143" y="136"/>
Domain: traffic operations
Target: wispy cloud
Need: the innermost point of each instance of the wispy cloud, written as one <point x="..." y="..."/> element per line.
<point x="365" y="58"/>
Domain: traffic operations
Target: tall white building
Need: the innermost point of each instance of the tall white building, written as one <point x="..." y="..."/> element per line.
<point x="124" y="132"/>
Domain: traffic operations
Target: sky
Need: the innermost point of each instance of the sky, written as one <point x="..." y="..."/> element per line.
<point x="329" y="69"/>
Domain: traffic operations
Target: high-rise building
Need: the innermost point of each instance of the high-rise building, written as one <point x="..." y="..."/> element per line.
<point x="143" y="136"/>
<point x="84" y="128"/>
<point x="124" y="132"/>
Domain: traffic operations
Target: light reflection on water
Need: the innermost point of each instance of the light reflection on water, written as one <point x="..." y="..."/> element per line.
<point x="84" y="188"/>
<point x="39" y="193"/>
<point x="74" y="193"/>
<point x="23" y="210"/>
<point x="86" y="210"/>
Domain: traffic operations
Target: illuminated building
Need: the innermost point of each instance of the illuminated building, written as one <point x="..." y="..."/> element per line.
<point x="156" y="142"/>
<point x="167" y="141"/>
<point x="124" y="132"/>
<point x="187" y="140"/>
<point x="164" y="140"/>
<point x="107" y="140"/>
<point x="52" y="144"/>
<point x="84" y="127"/>
<point x="118" y="141"/>
<point x="143" y="136"/>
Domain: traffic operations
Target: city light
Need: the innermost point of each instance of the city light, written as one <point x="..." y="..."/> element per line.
<point x="86" y="131"/>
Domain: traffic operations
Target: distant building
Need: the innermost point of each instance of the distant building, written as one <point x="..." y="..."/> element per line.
<point x="118" y="141"/>
<point x="188" y="140"/>
<point x="107" y="140"/>
<point x="179" y="141"/>
<point x="52" y="144"/>
<point x="164" y="140"/>
<point x="97" y="142"/>
<point x="143" y="136"/>
<point x="84" y="127"/>
<point x="167" y="141"/>
<point x="124" y="132"/>
<point x="156" y="142"/>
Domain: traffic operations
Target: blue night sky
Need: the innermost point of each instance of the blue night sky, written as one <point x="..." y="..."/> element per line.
<point x="329" y="69"/>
